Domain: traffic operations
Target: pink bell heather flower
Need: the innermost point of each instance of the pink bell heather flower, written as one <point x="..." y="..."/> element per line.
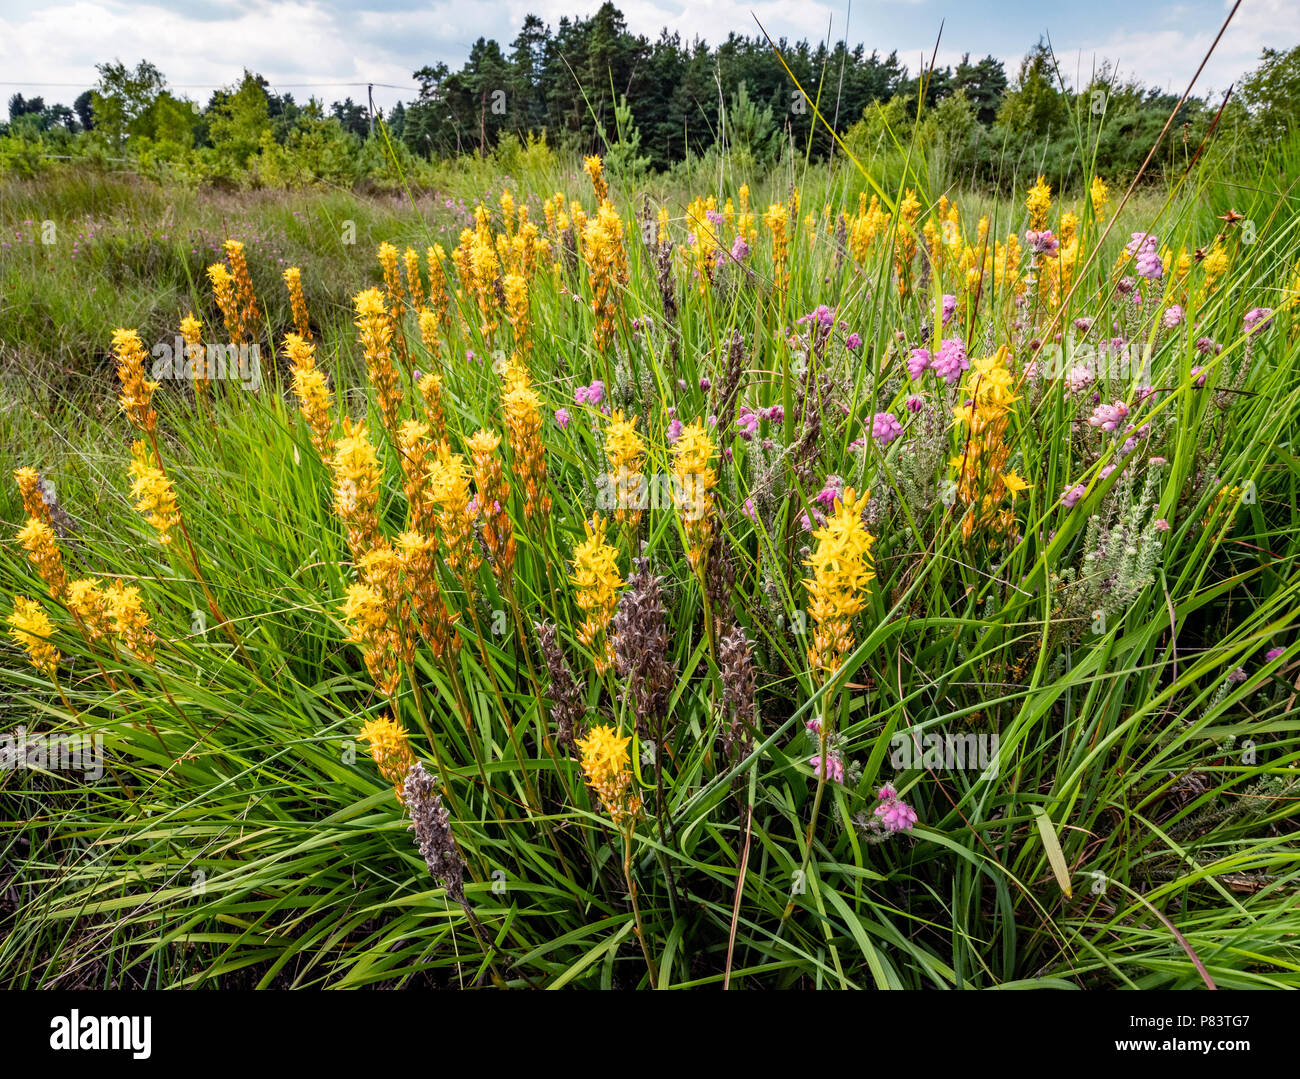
<point x="834" y="770"/>
<point x="747" y="423"/>
<point x="674" y="430"/>
<point x="739" y="249"/>
<point x="885" y="427"/>
<point x="1150" y="265"/>
<point x="1273" y="653"/>
<point x="1078" y="378"/>
<point x="824" y="317"/>
<point x="1083" y="325"/>
<point x="1162" y="525"/>
<point x="775" y="414"/>
<point x="705" y="384"/>
<point x="1257" y="318"/>
<point x="562" y="418"/>
<point x="914" y="402"/>
<point x="580" y="395"/>
<point x="813" y="726"/>
<point x="1109" y="417"/>
<point x="1141" y="241"/>
<point x="1206" y="345"/>
<point x="895" y="814"/>
<point x="918" y="362"/>
<point x="950" y="361"/>
<point x="1134" y="434"/>
<point x="853" y="342"/>
<point x="1144" y="394"/>
<point x="832" y="489"/>
<point x="949" y="306"/>
<point x="1043" y="243"/>
<point x="1072" y="495"/>
<point x="748" y="510"/>
<point x="816" y="520"/>
<point x="1173" y="316"/>
<point x="1198" y="376"/>
<point x="595" y="392"/>
<point x="1106" y="471"/>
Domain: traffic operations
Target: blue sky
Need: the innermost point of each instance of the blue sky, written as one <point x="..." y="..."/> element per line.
<point x="318" y="46"/>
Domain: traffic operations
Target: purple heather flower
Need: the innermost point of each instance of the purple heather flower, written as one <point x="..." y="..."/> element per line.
<point x="739" y="249"/>
<point x="950" y="361"/>
<point x="1272" y="654"/>
<point x="1205" y="346"/>
<point x="895" y="814"/>
<point x="562" y="418"/>
<point x="1238" y="675"/>
<point x="1072" y="495"/>
<point x="595" y="392"/>
<point x="1109" y="417"/>
<point x="747" y="422"/>
<point x="1150" y="265"/>
<point x="1141" y="241"/>
<point x="1257" y="318"/>
<point x="885" y="427"/>
<point x="1173" y="316"/>
<point x="580" y="395"/>
<point x="748" y="510"/>
<point x="853" y="342"/>
<point x="918" y="362"/>
<point x="674" y="430"/>
<point x="834" y="768"/>
<point x="1106" y="471"/>
<point x="1162" y="525"/>
<point x="824" y="317"/>
<point x="1198" y="376"/>
<point x="831" y="490"/>
<point x="1078" y="378"/>
<point x="775" y="414"/>
<point x="1083" y="325"/>
<point x="914" y="403"/>
<point x="1043" y="243"/>
<point x="949" y="306"/>
<point x="1134" y="434"/>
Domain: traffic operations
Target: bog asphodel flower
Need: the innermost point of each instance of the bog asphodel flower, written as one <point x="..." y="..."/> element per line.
<point x="129" y="620"/>
<point x="596" y="577"/>
<point x="430" y="387"/>
<point x="137" y="391"/>
<point x="223" y="288"/>
<point x="1039" y="203"/>
<point x="355" y="467"/>
<point x="415" y="448"/>
<point x="414" y="283"/>
<point x="777" y="220"/>
<point x="196" y="363"/>
<point x="625" y="450"/>
<point x="88" y="602"/>
<point x="842" y="570"/>
<point x="607" y="767"/>
<point x="494" y="497"/>
<point x="293" y="282"/>
<point x="243" y="287"/>
<point x="375" y="328"/>
<point x="155" y="500"/>
<point x="29" y="486"/>
<point x="390" y="749"/>
<point x="523" y="415"/>
<point x="31" y="630"/>
<point x="515" y="287"/>
<point x="418" y="554"/>
<point x="1099" y="194"/>
<point x="449" y="478"/>
<point x="37" y="539"/>
<point x="693" y="483"/>
<point x="984" y="482"/>
<point x="311" y="388"/>
<point x="594" y="168"/>
<point x="606" y="258"/>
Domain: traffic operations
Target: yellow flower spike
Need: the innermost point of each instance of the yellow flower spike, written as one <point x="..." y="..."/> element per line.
<point x="606" y="259"/>
<point x="31" y="630"/>
<point x="129" y="621"/>
<point x="523" y="415"/>
<point x="414" y="282"/>
<point x="310" y="387"/>
<point x="494" y="497"/>
<point x="693" y="481"/>
<point x="1039" y="203"/>
<point x="37" y="539"/>
<point x="355" y="467"/>
<point x="155" y="499"/>
<point x="595" y="169"/>
<point x="246" y="298"/>
<point x="596" y="577"/>
<point x="390" y="749"/>
<point x="137" y="391"/>
<point x="29" y="486"/>
<point x="293" y="282"/>
<point x="375" y="330"/>
<point x="625" y="450"/>
<point x="88" y="601"/>
<point x="449" y="477"/>
<point x="842" y="570"/>
<point x="607" y="768"/>
<point x="1099" y="194"/>
<point x="223" y="288"/>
